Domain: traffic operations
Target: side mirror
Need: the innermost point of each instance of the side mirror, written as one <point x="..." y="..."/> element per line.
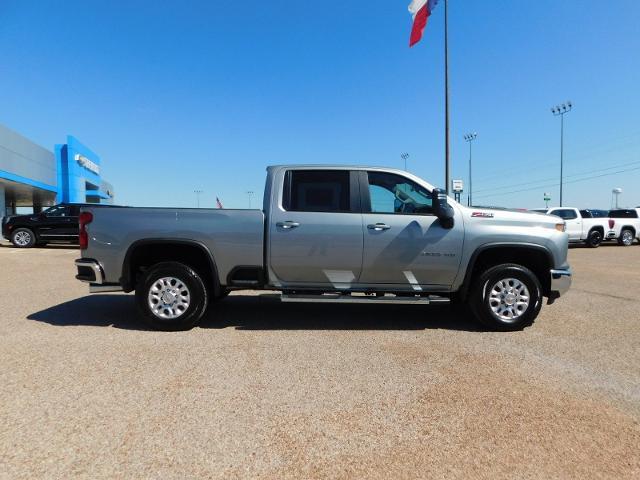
<point x="441" y="208"/>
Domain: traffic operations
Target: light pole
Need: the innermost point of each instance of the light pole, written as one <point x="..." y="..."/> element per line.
<point x="470" y="137"/>
<point x="561" y="110"/>
<point x="404" y="156"/>
<point x="197" y="192"/>
<point x="250" y="194"/>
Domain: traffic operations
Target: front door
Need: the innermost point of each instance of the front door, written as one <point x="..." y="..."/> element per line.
<point x="315" y="230"/>
<point x="404" y="243"/>
<point x="572" y="221"/>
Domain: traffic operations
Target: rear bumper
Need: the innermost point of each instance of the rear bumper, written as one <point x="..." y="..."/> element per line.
<point x="560" y="283"/>
<point x="89" y="271"/>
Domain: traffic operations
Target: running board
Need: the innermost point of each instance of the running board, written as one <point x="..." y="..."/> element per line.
<point x="96" y="288"/>
<point x="342" y="298"/>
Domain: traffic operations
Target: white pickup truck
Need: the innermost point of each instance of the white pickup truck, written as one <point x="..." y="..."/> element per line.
<point x="581" y="225"/>
<point x="624" y="225"/>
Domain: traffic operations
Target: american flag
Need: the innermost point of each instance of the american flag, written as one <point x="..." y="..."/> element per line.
<point x="219" y="203"/>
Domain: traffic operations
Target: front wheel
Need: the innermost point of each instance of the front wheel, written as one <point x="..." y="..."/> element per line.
<point x="506" y="297"/>
<point x="171" y="296"/>
<point x="23" y="238"/>
<point x="626" y="237"/>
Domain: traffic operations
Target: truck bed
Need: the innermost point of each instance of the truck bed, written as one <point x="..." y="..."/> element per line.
<point x="234" y="237"/>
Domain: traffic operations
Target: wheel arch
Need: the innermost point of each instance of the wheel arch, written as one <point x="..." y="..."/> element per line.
<point x="538" y="259"/>
<point x="143" y="252"/>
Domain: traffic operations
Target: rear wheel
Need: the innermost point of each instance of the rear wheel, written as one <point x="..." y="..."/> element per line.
<point x="626" y="237"/>
<point x="594" y="239"/>
<point x="506" y="297"/>
<point x="171" y="296"/>
<point x="23" y="238"/>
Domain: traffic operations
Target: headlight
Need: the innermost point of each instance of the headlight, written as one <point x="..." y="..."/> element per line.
<point x="561" y="227"/>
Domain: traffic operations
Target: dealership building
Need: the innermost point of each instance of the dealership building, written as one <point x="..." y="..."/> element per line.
<point x="35" y="177"/>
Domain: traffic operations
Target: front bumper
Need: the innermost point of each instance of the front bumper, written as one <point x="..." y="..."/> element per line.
<point x="560" y="283"/>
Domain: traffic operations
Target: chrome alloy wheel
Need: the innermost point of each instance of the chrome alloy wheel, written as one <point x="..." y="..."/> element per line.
<point x="627" y="237"/>
<point x="22" y="238"/>
<point x="509" y="299"/>
<point x="169" y="298"/>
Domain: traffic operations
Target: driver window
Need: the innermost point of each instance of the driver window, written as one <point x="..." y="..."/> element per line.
<point x="391" y="193"/>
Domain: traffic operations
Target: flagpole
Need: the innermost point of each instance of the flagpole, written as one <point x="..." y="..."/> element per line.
<point x="447" y="164"/>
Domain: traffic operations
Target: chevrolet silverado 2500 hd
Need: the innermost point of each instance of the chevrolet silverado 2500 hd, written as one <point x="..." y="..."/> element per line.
<point x="329" y="234"/>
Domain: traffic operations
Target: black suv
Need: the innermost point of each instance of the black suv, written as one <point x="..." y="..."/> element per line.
<point x="55" y="224"/>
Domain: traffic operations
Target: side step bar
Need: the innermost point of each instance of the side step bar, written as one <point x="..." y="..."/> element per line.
<point x="341" y="298"/>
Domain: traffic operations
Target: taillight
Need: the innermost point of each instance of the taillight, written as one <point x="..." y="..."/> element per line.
<point x="611" y="223"/>
<point x="85" y="219"/>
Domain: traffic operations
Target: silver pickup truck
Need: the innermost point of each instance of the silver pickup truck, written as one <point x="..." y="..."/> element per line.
<point x="329" y="234"/>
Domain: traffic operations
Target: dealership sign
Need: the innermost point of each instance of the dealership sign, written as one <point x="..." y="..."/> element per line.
<point x="88" y="164"/>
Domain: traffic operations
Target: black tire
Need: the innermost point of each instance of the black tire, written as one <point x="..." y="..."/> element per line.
<point x="626" y="237"/>
<point x="23" y="238"/>
<point x="172" y="318"/>
<point x="594" y="239"/>
<point x="481" y="301"/>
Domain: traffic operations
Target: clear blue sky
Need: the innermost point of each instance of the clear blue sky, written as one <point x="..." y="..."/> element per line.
<point x="176" y="96"/>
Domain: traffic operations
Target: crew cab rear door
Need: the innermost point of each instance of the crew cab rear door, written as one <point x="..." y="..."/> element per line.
<point x="315" y="229"/>
<point x="404" y="243"/>
<point x="58" y="223"/>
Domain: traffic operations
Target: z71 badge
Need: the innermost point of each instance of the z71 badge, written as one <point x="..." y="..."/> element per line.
<point x="482" y="214"/>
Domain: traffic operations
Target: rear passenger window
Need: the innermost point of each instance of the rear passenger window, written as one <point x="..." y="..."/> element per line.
<point x="623" y="214"/>
<point x="317" y="191"/>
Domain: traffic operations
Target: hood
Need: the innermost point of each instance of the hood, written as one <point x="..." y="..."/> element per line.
<point x="506" y="216"/>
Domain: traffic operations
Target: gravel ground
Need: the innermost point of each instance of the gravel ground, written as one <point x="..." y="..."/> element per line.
<point x="264" y="390"/>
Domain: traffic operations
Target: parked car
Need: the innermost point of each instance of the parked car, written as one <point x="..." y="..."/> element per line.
<point x="624" y="225"/>
<point x="55" y="224"/>
<point x="586" y="226"/>
<point x="329" y="234"/>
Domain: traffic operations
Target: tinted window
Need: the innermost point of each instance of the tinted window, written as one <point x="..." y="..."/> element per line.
<point x="599" y="213"/>
<point x="58" y="211"/>
<point x="317" y="191"/>
<point x="391" y="193"/>
<point x="566" y="214"/>
<point x="588" y="213"/>
<point x="625" y="213"/>
<point x="74" y="210"/>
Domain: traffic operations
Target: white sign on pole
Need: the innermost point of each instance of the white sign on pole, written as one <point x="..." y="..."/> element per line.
<point x="457" y="186"/>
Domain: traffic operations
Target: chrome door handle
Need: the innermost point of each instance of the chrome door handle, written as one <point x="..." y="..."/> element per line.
<point x="287" y="225"/>
<point x="378" y="227"/>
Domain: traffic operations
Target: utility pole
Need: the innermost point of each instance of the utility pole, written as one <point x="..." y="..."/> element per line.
<point x="404" y="156"/>
<point x="197" y="192"/>
<point x="250" y="194"/>
<point x="470" y="137"/>
<point x="447" y="166"/>
<point x="561" y="110"/>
